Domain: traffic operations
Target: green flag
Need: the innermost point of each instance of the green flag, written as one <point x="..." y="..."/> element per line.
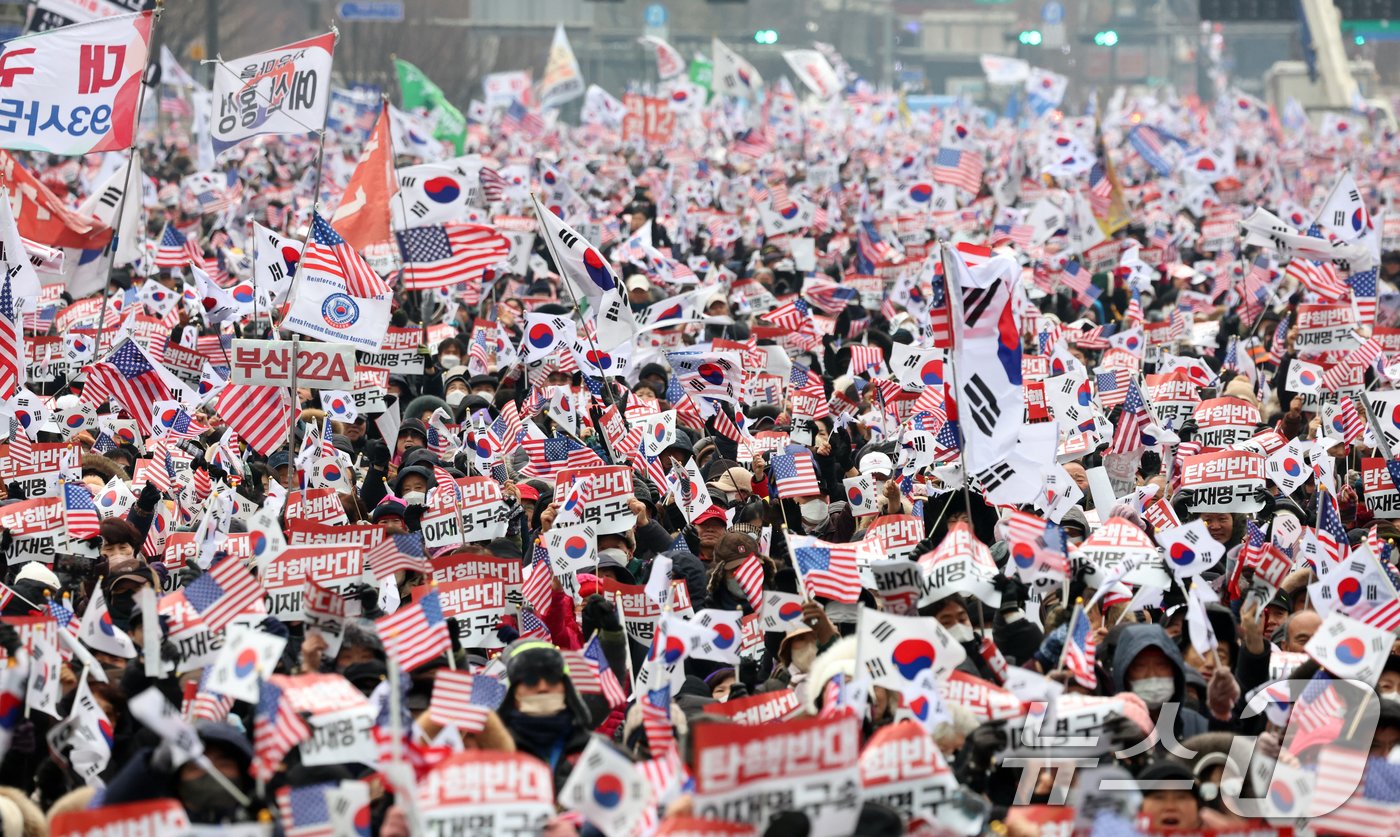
<point x="418" y="91"/>
<point x="700" y="72"/>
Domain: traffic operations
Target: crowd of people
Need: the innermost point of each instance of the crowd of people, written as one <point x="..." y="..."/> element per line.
<point x="946" y="468"/>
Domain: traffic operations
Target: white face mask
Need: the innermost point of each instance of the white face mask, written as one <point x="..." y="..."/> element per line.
<point x="803" y="655"/>
<point x="1154" y="691"/>
<point x="456" y="397"/>
<point x="1391" y="696"/>
<point x="449" y="361"/>
<point x="539" y="706"/>
<point x="613" y="554"/>
<point x="814" y="512"/>
<point x="962" y="632"/>
<point x="415" y="498"/>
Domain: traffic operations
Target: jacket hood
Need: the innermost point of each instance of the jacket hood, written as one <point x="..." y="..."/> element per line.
<point x="1136" y="639"/>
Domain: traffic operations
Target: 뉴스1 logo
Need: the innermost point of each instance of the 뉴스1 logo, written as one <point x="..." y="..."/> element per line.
<point x="340" y="311"/>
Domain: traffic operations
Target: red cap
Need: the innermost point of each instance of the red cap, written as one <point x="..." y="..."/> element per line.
<point x="712" y="513"/>
<point x="527" y="492"/>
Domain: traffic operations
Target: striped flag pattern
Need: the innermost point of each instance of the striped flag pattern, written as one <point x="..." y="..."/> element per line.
<point x="226" y="591"/>
<point x="326" y="252"/>
<point x="277" y="728"/>
<point x="445" y="254"/>
<point x="826" y="569"/>
<point x="79" y="510"/>
<point x="465" y="700"/>
<point x="12" y="358"/>
<point x="1079" y="649"/>
<point x="259" y="414"/>
<point x="415" y="634"/>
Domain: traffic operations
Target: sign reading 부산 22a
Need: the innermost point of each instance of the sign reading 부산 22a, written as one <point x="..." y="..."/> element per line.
<point x="282" y="91"/>
<point x="74" y="90"/>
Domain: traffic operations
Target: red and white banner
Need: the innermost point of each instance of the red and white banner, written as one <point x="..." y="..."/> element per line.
<point x="1223" y="481"/>
<point x="748" y="773"/>
<point x="74" y="90"/>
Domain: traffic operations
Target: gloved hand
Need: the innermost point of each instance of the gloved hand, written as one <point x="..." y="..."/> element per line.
<point x="377" y="452"/>
<point x="150" y="496"/>
<point x="599" y="614"/>
<point x="1222" y="693"/>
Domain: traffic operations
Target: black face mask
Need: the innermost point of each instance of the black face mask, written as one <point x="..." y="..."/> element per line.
<point x="121" y="607"/>
<point x="207" y="802"/>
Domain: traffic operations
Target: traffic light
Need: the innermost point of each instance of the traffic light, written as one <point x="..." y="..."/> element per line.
<point x="765" y="36"/>
<point x="1030" y="37"/>
<point x="1106" y="38"/>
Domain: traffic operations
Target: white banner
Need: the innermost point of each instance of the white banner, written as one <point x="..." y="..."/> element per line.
<point x="286" y="90"/>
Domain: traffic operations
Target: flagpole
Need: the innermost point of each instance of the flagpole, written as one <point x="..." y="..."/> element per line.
<point x="291" y="294"/>
<point x="564" y="283"/>
<point x="132" y="154"/>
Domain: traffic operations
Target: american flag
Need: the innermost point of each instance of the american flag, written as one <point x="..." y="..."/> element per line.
<point x="795" y="315"/>
<point x="260" y="414"/>
<point x="533" y="627"/>
<point x="448" y="253"/>
<point x="79" y="511"/>
<point x="1079" y="650"/>
<point x="537" y="581"/>
<point x="1250" y="551"/>
<point x="173" y="101"/>
<point x="871" y="250"/>
<point x="415" y="634"/>
<point x="1256" y="288"/>
<point x="277" y="728"/>
<point x="1365" y="355"/>
<point x="1100" y="191"/>
<point x="132" y="378"/>
<point x="1151" y="145"/>
<point x="1363" y="293"/>
<point x="397" y="553"/>
<point x="749" y="574"/>
<point x="1352" y="423"/>
<point x="959" y="168"/>
<point x="1022" y="235"/>
<point x="464" y="700"/>
<point x="590" y="673"/>
<point x="1024" y="527"/>
<point x="753" y="143"/>
<point x="1371" y="808"/>
<point x="795" y="474"/>
<point x="493" y="186"/>
<point x="828" y="295"/>
<point x="548" y="456"/>
<point x="326" y="252"/>
<point x="66" y="620"/>
<point x="176" y="250"/>
<point x="177" y="422"/>
<point x="12" y="356"/>
<point x="1080" y="281"/>
<point x="304" y="810"/>
<point x="1112" y="385"/>
<point x="725" y="426"/>
<point x="864" y="358"/>
<point x="656" y="717"/>
<point x="827" y="569"/>
<point x="224" y="592"/>
<point x="1331" y="534"/>
<point x="202" y="704"/>
<point x="1134" y="314"/>
<point x="520" y="119"/>
<point x="1319" y="277"/>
